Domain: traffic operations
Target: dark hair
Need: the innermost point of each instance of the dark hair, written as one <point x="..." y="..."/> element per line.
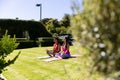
<point x="56" y="38"/>
<point x="67" y="38"/>
<point x="67" y="41"/>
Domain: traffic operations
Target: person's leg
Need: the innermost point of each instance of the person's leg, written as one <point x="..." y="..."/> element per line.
<point x="49" y="52"/>
<point x="66" y="56"/>
<point x="57" y="54"/>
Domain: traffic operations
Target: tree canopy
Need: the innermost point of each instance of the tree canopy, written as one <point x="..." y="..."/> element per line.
<point x="55" y="26"/>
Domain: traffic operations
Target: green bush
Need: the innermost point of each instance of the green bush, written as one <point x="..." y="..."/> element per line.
<point x="97" y="28"/>
<point x="7" y="45"/>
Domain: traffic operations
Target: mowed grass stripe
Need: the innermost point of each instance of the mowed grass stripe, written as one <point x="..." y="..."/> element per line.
<point x="67" y="61"/>
<point x="35" y="70"/>
<point x="40" y="65"/>
<point x="31" y="68"/>
<point x="34" y="52"/>
<point x="15" y="74"/>
<point x="25" y="61"/>
<point x="28" y="71"/>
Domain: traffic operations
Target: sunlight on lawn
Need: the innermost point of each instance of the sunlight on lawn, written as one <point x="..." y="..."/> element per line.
<point x="29" y="67"/>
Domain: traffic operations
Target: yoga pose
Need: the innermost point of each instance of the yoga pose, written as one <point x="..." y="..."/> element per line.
<point x="64" y="53"/>
<point x="56" y="48"/>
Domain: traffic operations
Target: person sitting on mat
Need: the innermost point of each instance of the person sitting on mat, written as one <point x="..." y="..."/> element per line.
<point x="64" y="53"/>
<point x="56" y="48"/>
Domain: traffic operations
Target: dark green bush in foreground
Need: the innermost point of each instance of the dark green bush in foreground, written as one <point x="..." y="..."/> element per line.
<point x="7" y="45"/>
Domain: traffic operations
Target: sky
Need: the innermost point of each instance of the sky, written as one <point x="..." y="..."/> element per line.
<point x="27" y="9"/>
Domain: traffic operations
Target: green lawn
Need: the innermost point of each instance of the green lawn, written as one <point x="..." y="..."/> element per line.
<point x="29" y="67"/>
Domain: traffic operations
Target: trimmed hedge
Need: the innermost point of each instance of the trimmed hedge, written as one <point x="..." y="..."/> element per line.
<point x="48" y="41"/>
<point x="26" y="32"/>
<point x="23" y="28"/>
<point x="45" y="41"/>
<point x="27" y="44"/>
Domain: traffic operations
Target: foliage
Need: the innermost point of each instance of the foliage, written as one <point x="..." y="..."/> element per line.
<point x="97" y="27"/>
<point x="7" y="45"/>
<point x="65" y="21"/>
<point x="23" y="28"/>
<point x="61" y="30"/>
<point x="45" y="20"/>
<point x="55" y="26"/>
<point x="50" y="26"/>
<point x="55" y="35"/>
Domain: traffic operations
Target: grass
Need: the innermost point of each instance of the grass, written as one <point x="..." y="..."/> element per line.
<point x="29" y="67"/>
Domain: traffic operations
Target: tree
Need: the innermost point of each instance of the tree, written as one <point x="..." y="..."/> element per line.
<point x="61" y="30"/>
<point x="96" y="28"/>
<point x="50" y="26"/>
<point x="7" y="45"/>
<point x="65" y="21"/>
<point x="45" y="20"/>
<point x="55" y="26"/>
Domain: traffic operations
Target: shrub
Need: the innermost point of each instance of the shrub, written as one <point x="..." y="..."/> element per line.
<point x="7" y="45"/>
<point x="97" y="29"/>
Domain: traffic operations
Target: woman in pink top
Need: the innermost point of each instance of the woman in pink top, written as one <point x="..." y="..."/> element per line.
<point x="64" y="53"/>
